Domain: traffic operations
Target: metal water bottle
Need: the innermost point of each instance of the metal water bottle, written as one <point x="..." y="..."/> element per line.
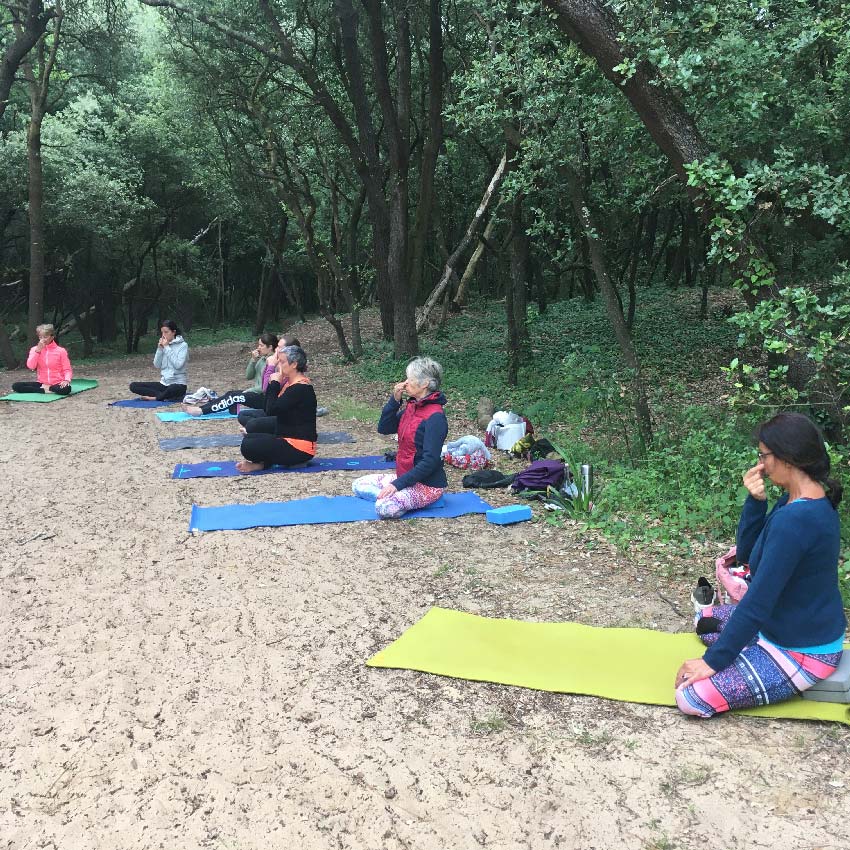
<point x="586" y="478"/>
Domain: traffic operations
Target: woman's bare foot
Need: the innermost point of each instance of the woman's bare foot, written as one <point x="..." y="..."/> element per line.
<point x="193" y="410"/>
<point x="243" y="429"/>
<point x="148" y="398"/>
<point x="246" y="466"/>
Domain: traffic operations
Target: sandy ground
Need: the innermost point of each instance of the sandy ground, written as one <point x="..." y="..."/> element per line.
<point x="159" y="690"/>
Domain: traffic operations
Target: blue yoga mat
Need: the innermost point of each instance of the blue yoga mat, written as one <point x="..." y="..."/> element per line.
<point x="208" y="441"/>
<point x="227" y="468"/>
<point x="141" y="402"/>
<point x="182" y="416"/>
<point x="321" y="509"/>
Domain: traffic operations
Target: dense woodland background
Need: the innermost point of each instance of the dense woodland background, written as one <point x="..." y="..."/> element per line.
<point x="550" y="163"/>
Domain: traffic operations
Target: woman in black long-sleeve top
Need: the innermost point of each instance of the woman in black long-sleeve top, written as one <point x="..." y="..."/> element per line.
<point x="287" y="437"/>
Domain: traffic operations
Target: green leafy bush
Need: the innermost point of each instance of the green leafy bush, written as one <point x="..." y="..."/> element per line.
<point x="807" y="331"/>
<point x="572" y="385"/>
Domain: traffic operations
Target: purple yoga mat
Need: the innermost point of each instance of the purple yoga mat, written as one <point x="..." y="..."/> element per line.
<point x="227" y="468"/>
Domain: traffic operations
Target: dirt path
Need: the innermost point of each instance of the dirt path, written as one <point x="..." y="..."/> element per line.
<point x="163" y="690"/>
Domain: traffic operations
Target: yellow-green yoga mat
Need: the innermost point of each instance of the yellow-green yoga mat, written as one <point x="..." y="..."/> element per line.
<point x="632" y="665"/>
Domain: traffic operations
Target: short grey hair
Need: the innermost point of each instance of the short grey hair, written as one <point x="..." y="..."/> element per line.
<point x="296" y="356"/>
<point x="46" y="330"/>
<point x="426" y="369"/>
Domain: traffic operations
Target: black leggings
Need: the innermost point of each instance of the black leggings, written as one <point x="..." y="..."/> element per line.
<point x="231" y="399"/>
<point x="159" y="391"/>
<point x="270" y="450"/>
<point x="35" y="387"/>
<point x="261" y="425"/>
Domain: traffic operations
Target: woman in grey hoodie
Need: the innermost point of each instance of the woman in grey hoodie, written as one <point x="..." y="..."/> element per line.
<point x="172" y="352"/>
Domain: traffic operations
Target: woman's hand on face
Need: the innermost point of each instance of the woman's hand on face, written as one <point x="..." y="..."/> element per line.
<point x="163" y="342"/>
<point x="255" y="354"/>
<point x="754" y="482"/>
<point x="398" y="390"/>
<point x="692" y="671"/>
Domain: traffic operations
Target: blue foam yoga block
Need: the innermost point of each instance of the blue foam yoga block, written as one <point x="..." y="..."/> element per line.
<point x="509" y="514"/>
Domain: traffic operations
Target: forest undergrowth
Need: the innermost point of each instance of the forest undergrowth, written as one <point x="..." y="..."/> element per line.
<point x="676" y="501"/>
<point x="681" y="494"/>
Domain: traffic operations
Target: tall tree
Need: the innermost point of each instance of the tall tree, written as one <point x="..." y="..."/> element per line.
<point x="29" y="24"/>
<point x="377" y="92"/>
<point x="38" y="68"/>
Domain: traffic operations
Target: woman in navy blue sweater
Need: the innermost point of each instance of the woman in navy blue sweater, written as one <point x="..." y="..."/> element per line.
<point x="787" y="632"/>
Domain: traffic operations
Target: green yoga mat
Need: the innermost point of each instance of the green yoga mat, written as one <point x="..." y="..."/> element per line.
<point x="631" y="665"/>
<point x="78" y="385"/>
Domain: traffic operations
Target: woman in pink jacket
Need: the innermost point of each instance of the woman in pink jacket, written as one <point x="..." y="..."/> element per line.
<point x="53" y="368"/>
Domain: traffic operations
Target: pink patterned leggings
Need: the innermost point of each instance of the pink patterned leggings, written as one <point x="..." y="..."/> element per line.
<point x="402" y="501"/>
<point x="762" y="674"/>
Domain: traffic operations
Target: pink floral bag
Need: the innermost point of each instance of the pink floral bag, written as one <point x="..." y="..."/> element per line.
<point x="732" y="576"/>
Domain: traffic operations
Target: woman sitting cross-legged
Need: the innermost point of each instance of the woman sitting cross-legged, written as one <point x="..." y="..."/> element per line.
<point x="259" y="369"/>
<point x="288" y="436"/>
<point x="172" y="353"/>
<point x="254" y="405"/>
<point x="422" y="427"/>
<point x="263" y="364"/>
<point x="786" y="633"/>
<point x="51" y="364"/>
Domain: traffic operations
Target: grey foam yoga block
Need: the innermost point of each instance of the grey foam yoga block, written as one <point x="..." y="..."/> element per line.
<point x="835" y="688"/>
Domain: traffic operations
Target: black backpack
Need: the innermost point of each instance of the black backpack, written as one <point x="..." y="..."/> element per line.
<point x="487" y="478"/>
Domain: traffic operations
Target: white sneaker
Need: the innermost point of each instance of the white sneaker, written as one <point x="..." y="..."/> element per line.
<point x="703" y="596"/>
<point x="201" y="396"/>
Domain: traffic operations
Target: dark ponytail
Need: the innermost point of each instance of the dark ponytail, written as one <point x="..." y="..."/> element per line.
<point x="834" y="491"/>
<point x="795" y="439"/>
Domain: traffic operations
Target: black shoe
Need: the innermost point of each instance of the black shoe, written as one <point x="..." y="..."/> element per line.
<point x="708" y="626"/>
<point x="703" y="595"/>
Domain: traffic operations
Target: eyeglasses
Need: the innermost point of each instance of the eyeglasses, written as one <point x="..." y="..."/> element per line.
<point x="763" y="455"/>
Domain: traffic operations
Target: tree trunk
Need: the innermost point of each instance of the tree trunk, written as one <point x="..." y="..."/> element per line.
<point x="37" y="74"/>
<point x="28" y="28"/>
<point x="514" y="343"/>
<point x="594" y="28"/>
<point x="36" y="220"/>
<point x="518" y="283"/>
<point x="83" y="324"/>
<point x="469" y="271"/>
<point x="356" y="333"/>
<point x="631" y="270"/>
<point x="471" y="231"/>
<point x="581" y="208"/>
<point x="7" y="353"/>
<point x="588" y="285"/>
<point x="336" y="324"/>
<point x="680" y="257"/>
<point x="372" y="170"/>
<point x="431" y="150"/>
<point x="262" y="297"/>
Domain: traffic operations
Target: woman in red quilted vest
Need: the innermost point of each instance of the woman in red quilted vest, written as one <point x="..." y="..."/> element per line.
<point x="422" y="427"/>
